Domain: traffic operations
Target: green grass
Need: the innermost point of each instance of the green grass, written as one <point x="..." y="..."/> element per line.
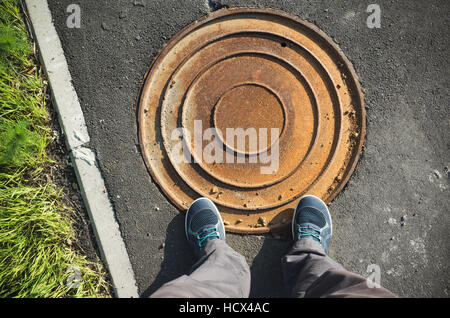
<point x="37" y="240"/>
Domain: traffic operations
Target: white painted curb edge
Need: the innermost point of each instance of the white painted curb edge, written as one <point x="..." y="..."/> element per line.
<point x="71" y="119"/>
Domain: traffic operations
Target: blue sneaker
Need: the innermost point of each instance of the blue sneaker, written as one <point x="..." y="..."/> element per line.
<point x="312" y="220"/>
<point x="203" y="222"/>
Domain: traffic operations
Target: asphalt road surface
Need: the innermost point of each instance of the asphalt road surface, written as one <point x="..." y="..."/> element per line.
<point x="394" y="210"/>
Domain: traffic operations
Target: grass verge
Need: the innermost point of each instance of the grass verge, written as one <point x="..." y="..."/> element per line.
<point x="38" y="257"/>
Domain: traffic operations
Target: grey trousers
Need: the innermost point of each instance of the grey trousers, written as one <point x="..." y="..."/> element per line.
<point x="308" y="272"/>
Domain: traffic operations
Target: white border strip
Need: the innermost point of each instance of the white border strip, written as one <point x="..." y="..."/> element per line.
<point x="71" y="119"/>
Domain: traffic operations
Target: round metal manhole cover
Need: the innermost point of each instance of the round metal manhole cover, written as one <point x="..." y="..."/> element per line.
<point x="252" y="108"/>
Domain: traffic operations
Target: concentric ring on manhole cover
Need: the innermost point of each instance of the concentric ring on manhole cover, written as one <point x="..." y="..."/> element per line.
<point x="252" y="108"/>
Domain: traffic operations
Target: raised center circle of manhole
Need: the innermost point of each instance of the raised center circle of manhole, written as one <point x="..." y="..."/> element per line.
<point x="252" y="108"/>
<point x="248" y="107"/>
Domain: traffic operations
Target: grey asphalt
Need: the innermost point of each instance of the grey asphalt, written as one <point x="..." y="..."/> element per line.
<point x="393" y="212"/>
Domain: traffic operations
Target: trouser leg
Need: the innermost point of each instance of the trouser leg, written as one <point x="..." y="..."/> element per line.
<point x="221" y="272"/>
<point x="309" y="272"/>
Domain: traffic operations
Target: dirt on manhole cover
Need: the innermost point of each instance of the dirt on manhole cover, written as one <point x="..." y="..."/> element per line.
<point x="252" y="108"/>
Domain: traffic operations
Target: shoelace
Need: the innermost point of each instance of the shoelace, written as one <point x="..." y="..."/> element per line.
<point x="302" y="232"/>
<point x="206" y="233"/>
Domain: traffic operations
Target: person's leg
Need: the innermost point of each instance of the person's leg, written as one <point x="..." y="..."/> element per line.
<point x="220" y="271"/>
<point x="344" y="284"/>
<point x="308" y="270"/>
<point x="305" y="262"/>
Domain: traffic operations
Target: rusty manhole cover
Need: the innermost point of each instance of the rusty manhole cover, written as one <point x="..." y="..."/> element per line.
<point x="281" y="89"/>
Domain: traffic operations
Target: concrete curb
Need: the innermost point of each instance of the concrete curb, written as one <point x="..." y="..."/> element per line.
<point x="71" y="119"/>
